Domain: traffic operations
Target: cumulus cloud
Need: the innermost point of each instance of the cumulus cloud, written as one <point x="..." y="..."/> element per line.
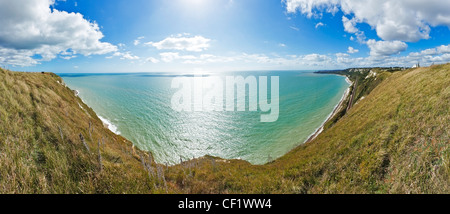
<point x="385" y="48"/>
<point x="349" y="25"/>
<point x="128" y="55"/>
<point x="343" y="58"/>
<point x="315" y="58"/>
<point x="124" y="55"/>
<point x="17" y="57"/>
<point x="351" y="50"/>
<point x="437" y="55"/>
<point x="32" y="32"/>
<point x="308" y="6"/>
<point x="440" y="54"/>
<point x="402" y="20"/>
<point x="182" y="43"/>
<point x="443" y="49"/>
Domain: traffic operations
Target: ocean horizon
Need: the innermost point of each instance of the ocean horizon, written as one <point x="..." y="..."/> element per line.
<point x="138" y="107"/>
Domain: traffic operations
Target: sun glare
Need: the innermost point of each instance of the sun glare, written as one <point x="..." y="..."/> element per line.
<point x="196" y="5"/>
<point x="195" y="2"/>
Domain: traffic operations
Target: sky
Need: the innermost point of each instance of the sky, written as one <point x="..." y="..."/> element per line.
<point x="104" y="36"/>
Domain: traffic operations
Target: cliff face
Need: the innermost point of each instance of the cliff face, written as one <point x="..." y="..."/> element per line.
<point x="394" y="140"/>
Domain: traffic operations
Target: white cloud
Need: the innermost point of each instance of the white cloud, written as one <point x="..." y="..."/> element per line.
<point x="128" y="55"/>
<point x="320" y="24"/>
<point x="382" y="54"/>
<point x="343" y="58"/>
<point x="441" y="50"/>
<point x="351" y="50"/>
<point x="404" y="20"/>
<point x="137" y="41"/>
<point x="385" y="48"/>
<point x="182" y="43"/>
<point x="169" y="56"/>
<point x="282" y="45"/>
<point x="31" y="28"/>
<point x="294" y="28"/>
<point x="307" y="6"/>
<point x="152" y="60"/>
<point x="440" y="54"/>
<point x="125" y="55"/>
<point x="349" y="25"/>
<point x="315" y="58"/>
<point x="16" y="57"/>
<point x="342" y="55"/>
<point x="68" y="57"/>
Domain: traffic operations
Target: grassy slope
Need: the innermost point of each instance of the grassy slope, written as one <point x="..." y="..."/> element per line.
<point x="396" y="140"/>
<point x="363" y="84"/>
<point x="40" y="147"/>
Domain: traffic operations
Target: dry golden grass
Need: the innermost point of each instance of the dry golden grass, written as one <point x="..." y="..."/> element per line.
<point x="396" y="140"/>
<point x="40" y="147"/>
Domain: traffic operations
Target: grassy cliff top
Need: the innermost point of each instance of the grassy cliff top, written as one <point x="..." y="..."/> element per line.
<point x="50" y="142"/>
<point x="394" y="140"/>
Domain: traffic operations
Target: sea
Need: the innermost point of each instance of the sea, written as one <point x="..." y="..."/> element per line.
<point x="138" y="107"/>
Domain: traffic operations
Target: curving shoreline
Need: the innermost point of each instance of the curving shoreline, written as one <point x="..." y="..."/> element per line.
<point x="106" y="123"/>
<point x="336" y="109"/>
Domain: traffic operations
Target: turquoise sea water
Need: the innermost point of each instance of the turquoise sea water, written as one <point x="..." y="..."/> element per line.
<point x="139" y="108"/>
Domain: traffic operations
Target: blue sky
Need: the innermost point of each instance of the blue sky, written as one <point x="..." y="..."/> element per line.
<point x="221" y="35"/>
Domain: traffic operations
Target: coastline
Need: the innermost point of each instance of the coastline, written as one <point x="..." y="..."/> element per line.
<point x="336" y="109"/>
<point x="106" y="123"/>
<point x="109" y="125"/>
<point x="113" y="128"/>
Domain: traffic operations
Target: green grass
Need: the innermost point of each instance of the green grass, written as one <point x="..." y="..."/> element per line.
<point x="395" y="140"/>
<point x="363" y="83"/>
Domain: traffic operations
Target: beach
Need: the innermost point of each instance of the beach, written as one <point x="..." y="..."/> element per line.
<point x="107" y="124"/>
<point x="336" y="109"/>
